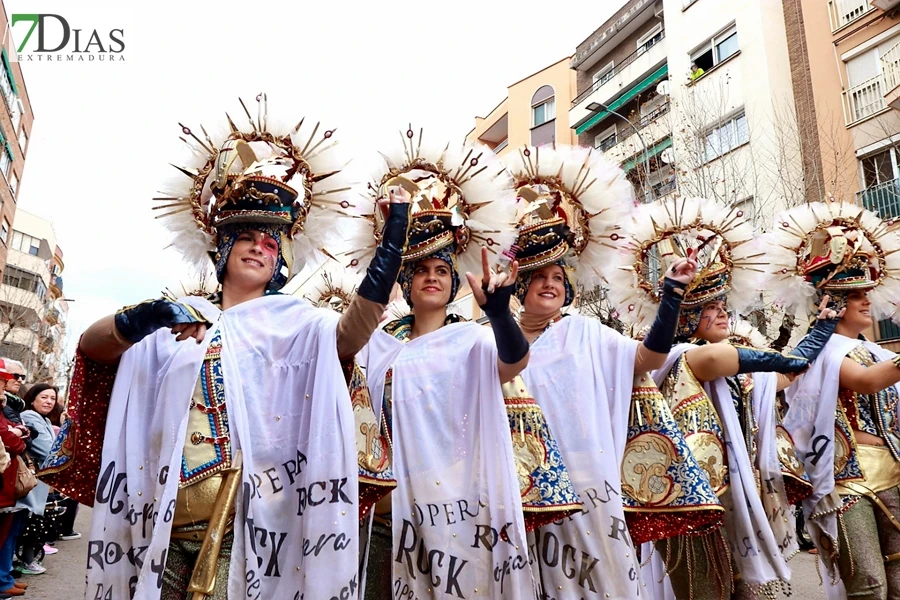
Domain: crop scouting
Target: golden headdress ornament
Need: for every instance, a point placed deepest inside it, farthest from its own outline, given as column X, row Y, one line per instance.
column 570, row 201
column 662, row 232
column 832, row 247
column 461, row 199
column 268, row 172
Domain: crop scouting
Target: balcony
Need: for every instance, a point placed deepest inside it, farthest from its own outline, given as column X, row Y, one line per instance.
column 629, row 78
column 890, row 68
column 843, row 12
column 883, row 198
column 864, row 100
column 626, row 144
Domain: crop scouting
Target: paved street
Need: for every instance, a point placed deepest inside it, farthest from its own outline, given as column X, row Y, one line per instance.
column 64, row 579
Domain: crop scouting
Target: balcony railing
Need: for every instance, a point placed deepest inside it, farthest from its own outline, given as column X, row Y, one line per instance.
column 645, row 121
column 883, row 198
column 618, row 68
column 890, row 67
column 501, row 146
column 608, row 143
column 865, row 99
column 844, row 12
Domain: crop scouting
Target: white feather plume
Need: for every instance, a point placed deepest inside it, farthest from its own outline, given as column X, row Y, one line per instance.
column 192, row 238
column 790, row 233
column 489, row 192
column 597, row 184
column 742, row 330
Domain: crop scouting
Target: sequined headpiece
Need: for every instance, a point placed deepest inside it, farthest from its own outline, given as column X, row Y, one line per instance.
column 661, row 232
column 461, row 200
column 267, row 175
column 834, row 248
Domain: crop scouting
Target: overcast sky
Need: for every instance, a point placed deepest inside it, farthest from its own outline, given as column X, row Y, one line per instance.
column 104, row 133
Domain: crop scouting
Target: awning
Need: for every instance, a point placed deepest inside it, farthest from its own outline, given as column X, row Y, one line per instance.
column 9, row 71
column 651, row 152
column 625, row 98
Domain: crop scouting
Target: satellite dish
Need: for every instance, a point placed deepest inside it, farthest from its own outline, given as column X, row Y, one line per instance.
column 667, row 156
column 662, row 88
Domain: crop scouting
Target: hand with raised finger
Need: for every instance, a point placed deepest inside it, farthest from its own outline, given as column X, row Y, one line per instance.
column 683, row 270
column 813, row 342
column 493, row 293
column 385, row 266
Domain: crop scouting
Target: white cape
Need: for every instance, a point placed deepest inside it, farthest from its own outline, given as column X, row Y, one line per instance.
column 810, row 421
column 754, row 547
column 296, row 527
column 581, row 374
column 458, row 526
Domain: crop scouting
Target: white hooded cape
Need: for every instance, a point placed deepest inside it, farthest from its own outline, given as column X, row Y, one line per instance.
column 458, row 526
column 296, row 521
column 581, row 374
column 759, row 556
column 810, row 421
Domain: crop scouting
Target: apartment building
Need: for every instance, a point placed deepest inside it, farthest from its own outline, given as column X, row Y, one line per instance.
column 845, row 61
column 693, row 97
column 16, row 119
column 33, row 309
column 534, row 112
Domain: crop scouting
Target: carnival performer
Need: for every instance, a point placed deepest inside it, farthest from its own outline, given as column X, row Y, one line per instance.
column 842, row 413
column 458, row 500
column 227, row 467
column 580, row 371
column 727, row 417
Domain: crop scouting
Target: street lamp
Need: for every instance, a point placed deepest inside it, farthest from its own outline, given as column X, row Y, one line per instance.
column 597, row 107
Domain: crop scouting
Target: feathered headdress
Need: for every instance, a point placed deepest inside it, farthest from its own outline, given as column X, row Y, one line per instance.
column 743, row 333
column 832, row 247
column 333, row 287
column 661, row 232
column 461, row 199
column 570, row 203
column 265, row 172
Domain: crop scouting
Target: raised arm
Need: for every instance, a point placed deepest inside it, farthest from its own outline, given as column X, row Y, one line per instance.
column 651, row 354
column 364, row 312
column 869, row 380
column 493, row 293
column 108, row 339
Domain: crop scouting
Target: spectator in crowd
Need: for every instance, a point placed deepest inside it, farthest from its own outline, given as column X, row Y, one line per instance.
column 13, row 439
column 39, row 402
column 66, row 522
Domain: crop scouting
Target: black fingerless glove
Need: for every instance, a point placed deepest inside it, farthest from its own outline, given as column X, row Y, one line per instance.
column 511, row 343
column 385, row 266
column 751, row 360
column 812, row 343
column 662, row 332
column 137, row 322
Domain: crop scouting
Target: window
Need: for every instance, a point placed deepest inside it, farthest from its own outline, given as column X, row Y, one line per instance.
column 5, row 160
column 23, row 140
column 4, row 231
column 603, row 75
column 543, row 106
column 605, row 140
column 726, row 137
column 25, row 243
column 15, row 110
column 543, row 112
column 24, row 280
column 646, row 41
column 717, row 49
column 6, row 83
column 877, row 168
column 13, row 182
